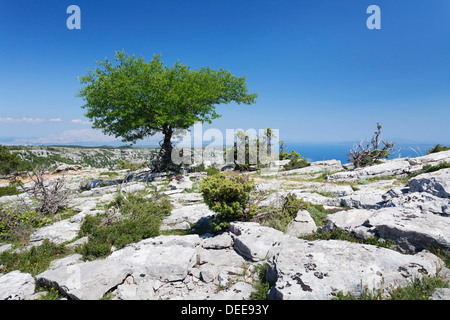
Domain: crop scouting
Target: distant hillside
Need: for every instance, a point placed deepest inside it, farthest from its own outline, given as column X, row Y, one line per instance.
column 97, row 157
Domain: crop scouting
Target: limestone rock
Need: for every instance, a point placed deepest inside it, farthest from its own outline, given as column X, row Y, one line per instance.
column 317, row 270
column 255, row 242
column 301, row 225
column 16, row 285
column 437, row 183
column 57, row 232
column 363, row 200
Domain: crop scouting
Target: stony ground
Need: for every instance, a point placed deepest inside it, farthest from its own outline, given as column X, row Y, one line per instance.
column 376, row 201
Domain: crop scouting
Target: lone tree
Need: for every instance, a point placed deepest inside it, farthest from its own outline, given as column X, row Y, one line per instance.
column 134, row 98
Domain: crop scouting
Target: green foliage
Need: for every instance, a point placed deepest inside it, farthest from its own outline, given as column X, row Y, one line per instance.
column 229, row 197
column 418, row 288
column 261, row 286
column 9, row 162
column 279, row 219
column 429, row 168
column 141, row 219
column 212, row 171
column 9, row 191
column 17, row 224
column 134, row 98
column 122, row 164
column 296, row 162
column 35, row 260
column 201, row 168
column 339, row 234
column 437, row 148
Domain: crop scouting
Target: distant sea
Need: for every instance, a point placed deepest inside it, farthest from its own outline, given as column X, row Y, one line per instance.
column 338, row 151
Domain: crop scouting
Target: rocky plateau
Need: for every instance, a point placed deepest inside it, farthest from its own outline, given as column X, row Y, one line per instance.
column 375, row 201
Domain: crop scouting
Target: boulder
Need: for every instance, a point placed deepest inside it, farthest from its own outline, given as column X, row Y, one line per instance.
column 58, row 232
column 301, row 225
column 256, row 242
column 421, row 201
column 181, row 218
column 16, row 285
column 363, row 199
column 180, row 183
column 433, row 158
column 351, row 221
column 320, row 269
column 67, row 167
column 164, row 259
column 222, row 241
column 411, row 230
column 436, row 183
column 87, row 280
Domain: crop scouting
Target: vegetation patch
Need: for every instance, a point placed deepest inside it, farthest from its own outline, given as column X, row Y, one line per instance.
column 418, row 288
column 34, row 260
column 16, row 224
column 230, row 197
column 9, row 191
column 128, row 219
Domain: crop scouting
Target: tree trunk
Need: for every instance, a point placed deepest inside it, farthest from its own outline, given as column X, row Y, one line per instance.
column 166, row 147
column 164, row 161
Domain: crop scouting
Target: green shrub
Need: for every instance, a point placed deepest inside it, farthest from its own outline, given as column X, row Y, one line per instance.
column 429, row 168
column 122, row 164
column 261, row 285
column 296, row 162
column 8, row 191
column 339, row 234
column 17, row 224
column 9, row 162
column 33, row 261
column 212, row 171
column 229, row 197
column 437, row 148
column 199, row 168
column 141, row 219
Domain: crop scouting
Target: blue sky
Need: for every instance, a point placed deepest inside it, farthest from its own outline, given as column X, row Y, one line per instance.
column 320, row 73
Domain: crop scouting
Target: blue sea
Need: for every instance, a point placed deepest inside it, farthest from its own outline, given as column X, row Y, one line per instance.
column 338, row 151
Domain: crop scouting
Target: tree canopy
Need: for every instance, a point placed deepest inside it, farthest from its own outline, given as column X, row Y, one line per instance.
column 133, row 98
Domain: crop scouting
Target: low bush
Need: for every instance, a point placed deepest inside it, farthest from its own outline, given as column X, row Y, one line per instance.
column 16, row 224
column 339, row 234
column 429, row 168
column 229, row 197
column 35, row 260
column 140, row 218
column 437, row 148
column 279, row 219
column 122, row 164
column 296, row 162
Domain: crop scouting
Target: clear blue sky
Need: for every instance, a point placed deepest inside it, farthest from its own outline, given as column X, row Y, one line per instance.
column 320, row 73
